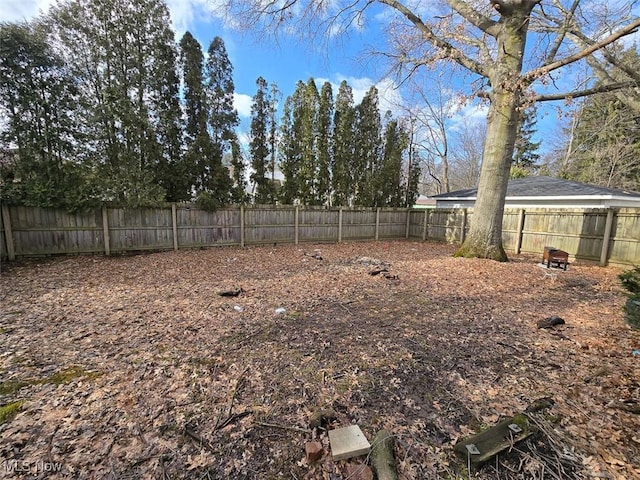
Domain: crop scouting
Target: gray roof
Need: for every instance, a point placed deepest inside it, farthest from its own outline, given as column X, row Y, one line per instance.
column 546, row 187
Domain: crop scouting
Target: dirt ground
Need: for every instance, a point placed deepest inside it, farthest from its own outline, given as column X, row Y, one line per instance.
column 136, row 367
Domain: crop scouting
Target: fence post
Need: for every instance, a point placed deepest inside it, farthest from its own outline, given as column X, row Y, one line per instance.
column 406, row 232
column 105, row 231
column 377, row 223
column 297, row 224
column 519, row 232
column 464, row 226
column 174, row 223
column 8, row 233
column 340, row 225
column 604, row 253
column 425, row 226
column 242, row 226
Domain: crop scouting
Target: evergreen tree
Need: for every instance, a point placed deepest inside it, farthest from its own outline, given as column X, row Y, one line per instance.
column 390, row 185
column 324, row 126
column 259, row 144
column 525, row 156
column 173, row 174
column 605, row 149
column 195, row 99
column 604, row 143
column 291, row 146
column 274, row 98
column 343, row 144
column 239, row 188
column 223, row 119
column 37, row 99
column 197, row 140
column 123, row 57
column 367, row 149
column 308, row 117
column 413, row 181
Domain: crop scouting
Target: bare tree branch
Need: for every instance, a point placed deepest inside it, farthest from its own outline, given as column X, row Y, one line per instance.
column 564, row 26
column 539, row 72
column 611, row 87
column 484, row 23
column 448, row 50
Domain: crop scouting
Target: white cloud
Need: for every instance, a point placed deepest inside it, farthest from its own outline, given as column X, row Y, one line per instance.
column 242, row 103
column 468, row 113
column 17, row 10
column 183, row 12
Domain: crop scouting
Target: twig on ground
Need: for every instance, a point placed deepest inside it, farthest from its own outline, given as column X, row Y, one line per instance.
column 345, row 308
column 233, row 418
column 200, row 440
column 235, row 390
column 283, row 427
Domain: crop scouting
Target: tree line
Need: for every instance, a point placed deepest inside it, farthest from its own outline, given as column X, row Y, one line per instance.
column 101, row 105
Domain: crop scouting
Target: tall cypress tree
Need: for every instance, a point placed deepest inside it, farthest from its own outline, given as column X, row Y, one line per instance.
column 325, row 113
column 195, row 99
column 343, row 144
column 367, row 148
column 238, row 167
column 274, row 98
column 390, row 182
column 223, row 119
column 291, row 146
column 172, row 171
column 308, row 141
column 197, row 140
column 259, row 144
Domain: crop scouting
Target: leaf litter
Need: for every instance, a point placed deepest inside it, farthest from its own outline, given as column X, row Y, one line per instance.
column 185, row 384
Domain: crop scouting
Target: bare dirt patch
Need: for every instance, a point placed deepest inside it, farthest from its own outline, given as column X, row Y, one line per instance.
column 161, row 377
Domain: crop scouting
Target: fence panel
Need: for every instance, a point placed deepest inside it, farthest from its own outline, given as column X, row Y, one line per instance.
column 445, row 225
column 269, row 225
column 317, row 225
column 358, row 224
column 39, row 231
column 579, row 232
column 625, row 243
column 392, row 223
column 140, row 229
column 198, row 228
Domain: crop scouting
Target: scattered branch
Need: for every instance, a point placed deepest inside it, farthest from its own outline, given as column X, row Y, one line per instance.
column 281, row 427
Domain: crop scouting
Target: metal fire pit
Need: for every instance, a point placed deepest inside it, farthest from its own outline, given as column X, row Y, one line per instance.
column 555, row 256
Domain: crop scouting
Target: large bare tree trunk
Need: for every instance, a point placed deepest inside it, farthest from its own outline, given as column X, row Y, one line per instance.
column 485, row 234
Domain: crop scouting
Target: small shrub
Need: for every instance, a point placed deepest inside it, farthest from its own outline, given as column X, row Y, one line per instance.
column 632, row 311
column 631, row 281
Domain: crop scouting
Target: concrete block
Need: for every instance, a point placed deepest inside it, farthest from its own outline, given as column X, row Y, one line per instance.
column 348, row 442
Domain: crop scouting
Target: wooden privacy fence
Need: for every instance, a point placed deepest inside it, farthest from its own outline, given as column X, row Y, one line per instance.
column 605, row 236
